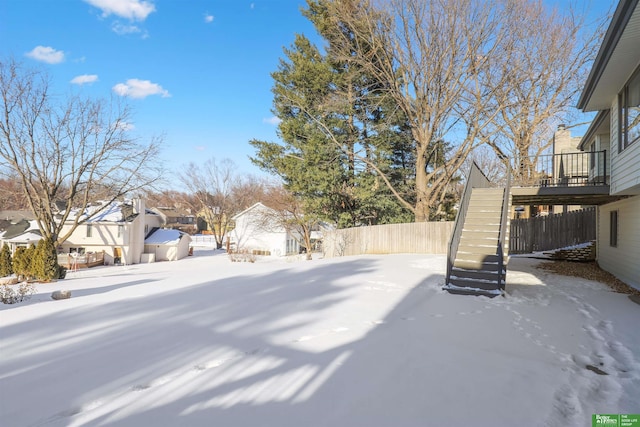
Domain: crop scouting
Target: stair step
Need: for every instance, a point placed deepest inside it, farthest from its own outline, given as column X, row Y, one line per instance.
column 475, row 274
column 474, row 264
column 479, row 235
column 474, row 283
column 484, row 215
column 477, row 250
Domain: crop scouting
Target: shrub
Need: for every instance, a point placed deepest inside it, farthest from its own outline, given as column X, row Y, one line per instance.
column 22, row 262
column 242, row 256
column 11, row 294
column 6, row 269
column 44, row 265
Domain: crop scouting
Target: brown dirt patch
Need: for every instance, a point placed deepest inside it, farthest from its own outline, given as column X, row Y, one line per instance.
column 591, row 271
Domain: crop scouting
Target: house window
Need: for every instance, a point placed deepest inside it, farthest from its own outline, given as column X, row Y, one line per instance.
column 89, row 230
column 120, row 230
column 629, row 120
column 613, row 228
column 592, row 160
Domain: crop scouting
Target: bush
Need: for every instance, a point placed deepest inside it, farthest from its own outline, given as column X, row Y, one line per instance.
column 242, row 256
column 45, row 261
column 11, row 294
column 22, row 262
column 6, row 269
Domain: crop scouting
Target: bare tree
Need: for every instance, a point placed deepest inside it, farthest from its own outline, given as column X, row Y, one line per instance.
column 71, row 150
column 219, row 193
column 11, row 195
column 432, row 59
column 545, row 63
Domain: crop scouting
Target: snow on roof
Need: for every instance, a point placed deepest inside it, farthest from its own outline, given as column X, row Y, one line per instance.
column 165, row 237
column 28, row 237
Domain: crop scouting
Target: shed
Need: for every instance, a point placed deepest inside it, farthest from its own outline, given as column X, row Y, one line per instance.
column 167, row 245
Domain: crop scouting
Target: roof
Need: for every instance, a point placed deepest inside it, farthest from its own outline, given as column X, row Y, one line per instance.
column 32, row 236
column 17, row 229
column 116, row 211
column 163, row 236
column 250, row 208
column 617, row 58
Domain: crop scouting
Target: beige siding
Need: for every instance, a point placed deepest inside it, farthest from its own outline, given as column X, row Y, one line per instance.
column 425, row 237
column 625, row 169
column 624, row 260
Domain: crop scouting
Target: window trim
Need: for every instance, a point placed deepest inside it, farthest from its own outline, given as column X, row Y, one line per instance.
column 623, row 135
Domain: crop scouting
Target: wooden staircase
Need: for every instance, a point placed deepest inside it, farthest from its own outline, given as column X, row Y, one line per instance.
column 478, row 267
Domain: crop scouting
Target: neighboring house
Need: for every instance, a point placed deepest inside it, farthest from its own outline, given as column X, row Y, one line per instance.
column 119, row 230
column 21, row 234
column 178, row 219
column 258, row 231
column 167, row 245
column 613, row 89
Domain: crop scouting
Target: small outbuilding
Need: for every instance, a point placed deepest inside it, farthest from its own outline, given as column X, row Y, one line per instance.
column 167, row 245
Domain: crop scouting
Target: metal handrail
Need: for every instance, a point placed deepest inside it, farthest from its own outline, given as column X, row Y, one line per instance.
column 562, row 170
column 503, row 229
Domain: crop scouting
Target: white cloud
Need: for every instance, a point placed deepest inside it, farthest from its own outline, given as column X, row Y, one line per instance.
column 135, row 10
column 140, row 89
column 121, row 29
column 46, row 54
column 84, row 78
column 252, row 6
column 273, row 120
column 208, row 18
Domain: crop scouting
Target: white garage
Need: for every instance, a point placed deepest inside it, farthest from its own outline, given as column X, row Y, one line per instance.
column 167, row 245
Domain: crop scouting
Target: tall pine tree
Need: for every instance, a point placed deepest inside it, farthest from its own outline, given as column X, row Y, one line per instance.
column 6, row 269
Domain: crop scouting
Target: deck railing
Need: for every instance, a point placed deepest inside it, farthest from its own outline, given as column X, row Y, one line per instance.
column 562, row 170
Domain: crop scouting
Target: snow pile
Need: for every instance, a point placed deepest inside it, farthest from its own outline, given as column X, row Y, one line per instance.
column 355, row 341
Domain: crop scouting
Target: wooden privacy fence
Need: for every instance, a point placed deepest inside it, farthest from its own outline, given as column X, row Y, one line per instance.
column 419, row 237
column 552, row 231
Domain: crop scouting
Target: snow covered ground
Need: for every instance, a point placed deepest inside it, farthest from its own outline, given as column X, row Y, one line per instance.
column 356, row 341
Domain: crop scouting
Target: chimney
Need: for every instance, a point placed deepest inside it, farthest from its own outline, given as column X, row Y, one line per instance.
column 138, row 205
column 561, row 126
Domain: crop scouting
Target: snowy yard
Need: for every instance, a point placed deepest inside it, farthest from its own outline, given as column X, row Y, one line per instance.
column 357, row 341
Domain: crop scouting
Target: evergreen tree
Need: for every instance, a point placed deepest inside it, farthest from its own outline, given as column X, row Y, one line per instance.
column 45, row 261
column 343, row 139
column 6, row 269
column 22, row 262
column 37, row 261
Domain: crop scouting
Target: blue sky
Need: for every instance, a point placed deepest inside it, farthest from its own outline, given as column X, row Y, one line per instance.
column 195, row 71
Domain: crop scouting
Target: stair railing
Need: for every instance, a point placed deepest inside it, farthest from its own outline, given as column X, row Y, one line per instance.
column 504, row 222
column 475, row 179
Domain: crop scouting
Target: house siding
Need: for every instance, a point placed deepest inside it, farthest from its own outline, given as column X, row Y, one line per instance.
column 625, row 174
column 622, row 260
column 253, row 232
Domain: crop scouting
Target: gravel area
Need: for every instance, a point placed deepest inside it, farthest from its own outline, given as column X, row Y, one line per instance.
column 591, row 271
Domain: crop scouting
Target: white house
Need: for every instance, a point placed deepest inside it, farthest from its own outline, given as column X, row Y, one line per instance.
column 259, row 231
column 613, row 89
column 23, row 233
column 167, row 245
column 119, row 230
